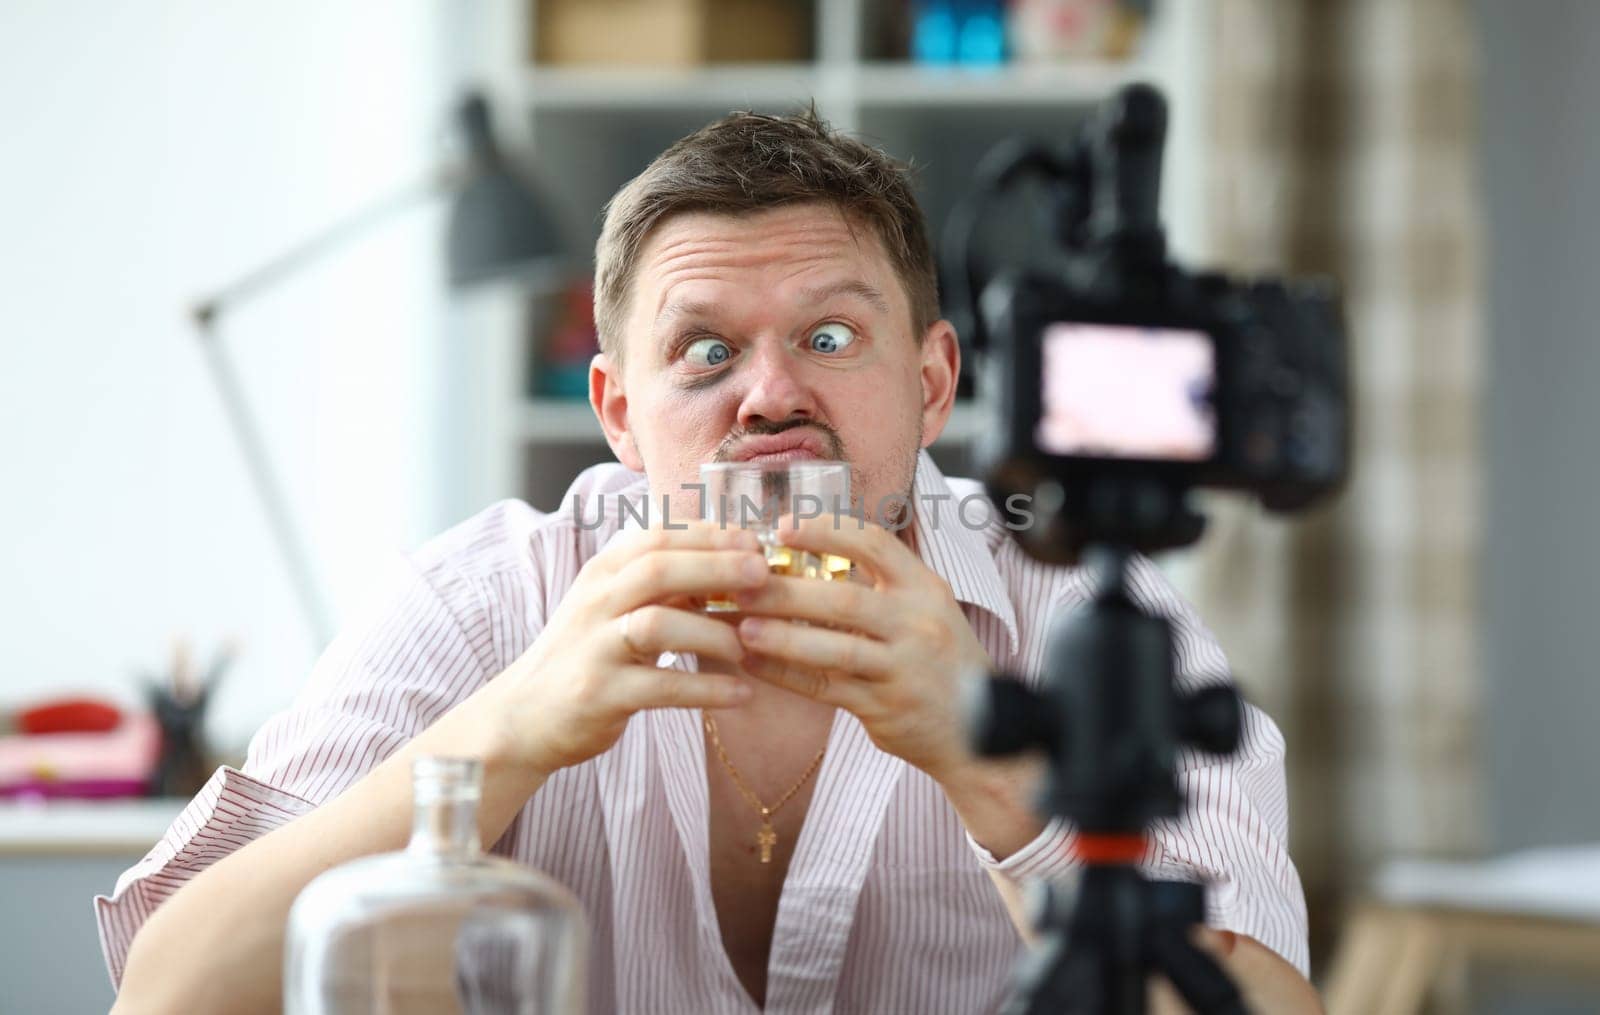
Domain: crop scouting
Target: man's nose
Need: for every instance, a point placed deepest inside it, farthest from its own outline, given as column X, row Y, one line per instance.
column 777, row 390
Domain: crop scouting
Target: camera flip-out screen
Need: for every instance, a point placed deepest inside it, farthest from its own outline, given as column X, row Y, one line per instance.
column 1125, row 391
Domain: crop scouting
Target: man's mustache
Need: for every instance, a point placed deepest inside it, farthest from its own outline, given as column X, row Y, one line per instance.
column 730, row 444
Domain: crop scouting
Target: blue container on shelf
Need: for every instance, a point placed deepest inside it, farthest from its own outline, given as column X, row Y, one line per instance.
column 971, row 33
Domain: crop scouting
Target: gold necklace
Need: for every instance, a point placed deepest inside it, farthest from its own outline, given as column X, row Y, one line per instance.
column 767, row 837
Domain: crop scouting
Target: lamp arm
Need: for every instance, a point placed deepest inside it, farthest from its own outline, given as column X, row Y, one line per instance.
column 207, row 314
column 291, row 261
column 269, row 488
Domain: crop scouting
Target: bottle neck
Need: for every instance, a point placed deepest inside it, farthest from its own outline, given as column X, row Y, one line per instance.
column 444, row 817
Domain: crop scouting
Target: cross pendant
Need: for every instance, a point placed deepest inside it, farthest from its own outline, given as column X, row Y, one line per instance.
column 766, row 839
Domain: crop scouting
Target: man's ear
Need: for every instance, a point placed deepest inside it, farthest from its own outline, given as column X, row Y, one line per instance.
column 941, row 368
column 610, row 403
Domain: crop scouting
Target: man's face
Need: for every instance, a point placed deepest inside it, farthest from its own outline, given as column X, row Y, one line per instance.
column 774, row 335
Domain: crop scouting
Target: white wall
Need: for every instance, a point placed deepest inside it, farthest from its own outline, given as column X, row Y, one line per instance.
column 1541, row 169
column 148, row 152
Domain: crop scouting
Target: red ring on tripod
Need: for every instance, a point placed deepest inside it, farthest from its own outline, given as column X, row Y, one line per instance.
column 1109, row 849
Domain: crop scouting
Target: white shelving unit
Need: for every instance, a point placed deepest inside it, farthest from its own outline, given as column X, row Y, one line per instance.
column 836, row 90
column 593, row 129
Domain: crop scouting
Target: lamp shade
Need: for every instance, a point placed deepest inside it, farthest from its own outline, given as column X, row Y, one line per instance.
column 499, row 226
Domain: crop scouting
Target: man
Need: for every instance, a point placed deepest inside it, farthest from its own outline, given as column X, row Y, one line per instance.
column 760, row 814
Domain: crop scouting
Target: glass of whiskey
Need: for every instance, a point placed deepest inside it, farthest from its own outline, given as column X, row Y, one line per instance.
column 766, row 496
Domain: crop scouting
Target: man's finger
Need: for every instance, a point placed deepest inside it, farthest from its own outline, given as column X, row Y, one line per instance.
column 639, row 687
column 648, row 631
column 848, row 604
column 816, row 648
column 808, row 683
column 699, row 535
column 663, row 574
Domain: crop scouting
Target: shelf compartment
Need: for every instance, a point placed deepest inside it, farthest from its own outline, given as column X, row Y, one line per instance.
column 559, row 421
column 722, row 87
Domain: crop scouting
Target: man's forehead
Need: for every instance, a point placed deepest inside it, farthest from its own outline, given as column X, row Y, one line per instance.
column 790, row 233
column 681, row 304
column 812, row 250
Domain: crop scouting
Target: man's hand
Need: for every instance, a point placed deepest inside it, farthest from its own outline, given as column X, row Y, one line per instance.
column 565, row 699
column 1269, row 983
column 892, row 653
column 570, row 695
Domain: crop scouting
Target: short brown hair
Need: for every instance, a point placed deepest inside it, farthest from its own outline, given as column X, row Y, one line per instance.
column 749, row 161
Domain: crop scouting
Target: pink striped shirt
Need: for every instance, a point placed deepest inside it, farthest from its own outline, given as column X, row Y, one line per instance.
column 887, row 905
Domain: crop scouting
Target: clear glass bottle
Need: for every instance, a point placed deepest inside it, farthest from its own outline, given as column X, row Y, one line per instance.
column 438, row 927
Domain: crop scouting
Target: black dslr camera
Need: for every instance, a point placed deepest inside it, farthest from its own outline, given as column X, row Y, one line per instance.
column 1119, row 381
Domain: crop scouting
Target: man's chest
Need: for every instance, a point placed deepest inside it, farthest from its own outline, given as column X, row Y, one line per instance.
column 760, row 779
column 878, row 866
column 749, row 860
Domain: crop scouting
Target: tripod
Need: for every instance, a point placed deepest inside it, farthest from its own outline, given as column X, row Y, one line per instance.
column 1111, row 720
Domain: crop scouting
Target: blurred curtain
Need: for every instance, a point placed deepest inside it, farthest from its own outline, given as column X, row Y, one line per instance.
column 1341, row 140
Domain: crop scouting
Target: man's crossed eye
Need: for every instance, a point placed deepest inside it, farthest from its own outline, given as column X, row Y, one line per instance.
column 707, row 352
column 832, row 337
column 828, row 338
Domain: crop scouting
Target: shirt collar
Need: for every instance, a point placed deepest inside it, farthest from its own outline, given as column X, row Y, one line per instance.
column 956, row 544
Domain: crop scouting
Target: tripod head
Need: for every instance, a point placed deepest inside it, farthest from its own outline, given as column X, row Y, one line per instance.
column 1114, row 741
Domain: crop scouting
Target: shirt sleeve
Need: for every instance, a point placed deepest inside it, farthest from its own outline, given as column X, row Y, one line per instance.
column 388, row 676
column 1233, row 834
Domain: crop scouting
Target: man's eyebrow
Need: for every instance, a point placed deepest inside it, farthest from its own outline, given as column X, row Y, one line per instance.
column 683, row 308
column 816, row 294
column 861, row 290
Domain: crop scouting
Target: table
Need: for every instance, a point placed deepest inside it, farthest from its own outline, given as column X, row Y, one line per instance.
column 1536, row 911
